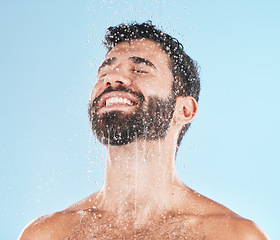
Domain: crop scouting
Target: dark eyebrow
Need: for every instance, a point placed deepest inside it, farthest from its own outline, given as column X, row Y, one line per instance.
column 142, row 60
column 107, row 62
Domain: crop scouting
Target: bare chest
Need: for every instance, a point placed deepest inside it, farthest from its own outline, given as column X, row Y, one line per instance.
column 106, row 228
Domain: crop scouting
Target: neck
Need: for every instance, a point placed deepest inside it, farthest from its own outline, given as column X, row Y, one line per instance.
column 141, row 179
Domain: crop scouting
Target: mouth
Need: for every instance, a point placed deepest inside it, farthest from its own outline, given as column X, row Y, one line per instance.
column 117, row 100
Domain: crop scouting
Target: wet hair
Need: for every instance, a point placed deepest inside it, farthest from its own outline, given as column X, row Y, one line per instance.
column 184, row 69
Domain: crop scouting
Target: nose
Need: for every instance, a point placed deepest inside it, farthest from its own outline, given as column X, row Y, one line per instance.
column 116, row 77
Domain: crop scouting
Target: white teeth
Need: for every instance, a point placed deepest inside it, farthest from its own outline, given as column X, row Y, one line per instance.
column 118, row 100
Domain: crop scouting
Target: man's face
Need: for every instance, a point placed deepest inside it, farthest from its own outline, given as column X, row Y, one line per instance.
column 132, row 98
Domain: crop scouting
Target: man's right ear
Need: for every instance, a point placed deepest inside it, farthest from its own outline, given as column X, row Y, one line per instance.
column 185, row 110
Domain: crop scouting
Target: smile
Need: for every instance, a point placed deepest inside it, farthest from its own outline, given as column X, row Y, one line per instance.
column 118, row 100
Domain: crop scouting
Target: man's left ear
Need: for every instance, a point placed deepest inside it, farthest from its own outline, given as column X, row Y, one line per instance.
column 185, row 110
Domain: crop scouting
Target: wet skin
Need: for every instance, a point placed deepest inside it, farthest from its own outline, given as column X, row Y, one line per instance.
column 80, row 222
column 142, row 197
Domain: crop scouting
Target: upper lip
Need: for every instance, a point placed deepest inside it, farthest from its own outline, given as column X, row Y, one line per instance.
column 117, row 94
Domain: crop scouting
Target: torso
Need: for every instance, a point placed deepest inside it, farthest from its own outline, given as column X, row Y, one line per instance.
column 101, row 225
column 82, row 222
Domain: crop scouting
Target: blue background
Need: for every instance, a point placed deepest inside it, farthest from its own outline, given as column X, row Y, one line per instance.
column 49, row 54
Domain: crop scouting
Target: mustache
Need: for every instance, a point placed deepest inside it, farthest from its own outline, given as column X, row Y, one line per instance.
column 120, row 88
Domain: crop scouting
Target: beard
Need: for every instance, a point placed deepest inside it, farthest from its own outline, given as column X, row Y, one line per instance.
column 148, row 121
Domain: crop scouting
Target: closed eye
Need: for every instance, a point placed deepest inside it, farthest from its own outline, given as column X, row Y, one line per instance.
column 139, row 71
column 102, row 74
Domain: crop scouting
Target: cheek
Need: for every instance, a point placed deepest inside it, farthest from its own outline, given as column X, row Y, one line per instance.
column 146, row 85
column 96, row 90
column 160, row 86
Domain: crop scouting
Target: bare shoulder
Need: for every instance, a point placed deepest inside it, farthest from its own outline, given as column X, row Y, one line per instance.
column 57, row 225
column 219, row 222
column 234, row 227
column 52, row 226
column 247, row 229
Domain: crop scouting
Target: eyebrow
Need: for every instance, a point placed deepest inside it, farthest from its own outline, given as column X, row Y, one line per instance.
column 140, row 60
column 134, row 59
column 107, row 62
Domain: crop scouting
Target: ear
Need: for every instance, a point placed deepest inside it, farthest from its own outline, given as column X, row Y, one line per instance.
column 185, row 110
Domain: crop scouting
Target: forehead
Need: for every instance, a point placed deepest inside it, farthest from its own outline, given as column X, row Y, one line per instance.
column 140, row 47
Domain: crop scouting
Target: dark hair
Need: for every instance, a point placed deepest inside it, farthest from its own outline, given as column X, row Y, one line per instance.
column 184, row 69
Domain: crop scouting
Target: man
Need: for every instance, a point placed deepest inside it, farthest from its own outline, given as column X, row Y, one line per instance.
column 142, row 104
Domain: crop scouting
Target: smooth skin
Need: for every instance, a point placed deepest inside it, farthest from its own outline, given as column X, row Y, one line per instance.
column 142, row 197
